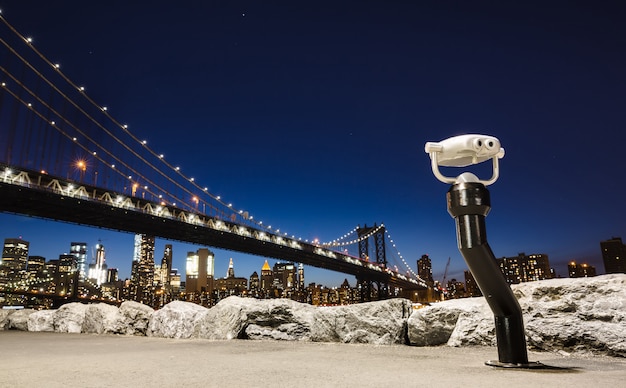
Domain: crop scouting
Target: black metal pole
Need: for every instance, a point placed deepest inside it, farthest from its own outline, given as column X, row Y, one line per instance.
column 469, row 203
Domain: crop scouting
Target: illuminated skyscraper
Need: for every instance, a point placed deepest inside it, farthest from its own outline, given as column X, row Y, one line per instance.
column 254, row 284
column 285, row 275
column 200, row 271
column 301, row 277
column 79, row 250
column 142, row 272
column 98, row 269
column 14, row 262
column 525, row 268
column 425, row 269
column 231, row 269
column 267, row 278
column 614, row 255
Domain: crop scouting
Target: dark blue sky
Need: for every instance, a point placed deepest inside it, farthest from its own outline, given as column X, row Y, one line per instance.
column 313, row 115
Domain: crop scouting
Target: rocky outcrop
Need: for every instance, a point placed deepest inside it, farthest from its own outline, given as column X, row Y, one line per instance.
column 42, row 320
column 19, row 319
column 574, row 315
column 135, row 317
column 234, row 317
column 434, row 325
column 103, row 318
column 571, row 315
column 381, row 323
column 69, row 318
column 175, row 320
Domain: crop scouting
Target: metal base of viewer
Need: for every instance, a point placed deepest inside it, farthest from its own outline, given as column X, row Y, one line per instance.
column 508, row 365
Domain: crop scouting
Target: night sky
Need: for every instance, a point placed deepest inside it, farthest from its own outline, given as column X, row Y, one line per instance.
column 313, row 115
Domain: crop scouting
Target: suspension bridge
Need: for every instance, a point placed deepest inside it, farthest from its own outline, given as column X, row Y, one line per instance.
column 65, row 157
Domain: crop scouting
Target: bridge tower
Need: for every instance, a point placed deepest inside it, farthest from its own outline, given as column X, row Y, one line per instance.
column 366, row 285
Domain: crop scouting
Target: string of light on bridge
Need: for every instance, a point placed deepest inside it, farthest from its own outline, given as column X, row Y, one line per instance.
column 176, row 169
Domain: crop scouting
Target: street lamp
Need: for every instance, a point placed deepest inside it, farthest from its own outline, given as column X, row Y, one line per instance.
column 82, row 167
column 469, row 203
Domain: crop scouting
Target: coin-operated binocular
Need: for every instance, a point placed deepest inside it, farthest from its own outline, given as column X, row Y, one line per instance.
column 469, row 203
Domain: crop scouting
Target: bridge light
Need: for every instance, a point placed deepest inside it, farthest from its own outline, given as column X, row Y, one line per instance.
column 52, row 123
column 177, row 168
column 57, row 66
column 206, row 189
column 125, row 126
column 82, row 88
column 192, row 179
column 104, row 108
column 161, row 156
column 29, row 40
column 144, row 142
column 112, row 166
column 218, row 197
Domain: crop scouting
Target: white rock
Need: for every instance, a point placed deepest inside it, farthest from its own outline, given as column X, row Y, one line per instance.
column 19, row 319
column 69, row 318
column 572, row 315
column 279, row 319
column 380, row 322
column 42, row 320
column 226, row 320
column 175, row 320
column 103, row 318
column 433, row 325
column 4, row 318
column 135, row 317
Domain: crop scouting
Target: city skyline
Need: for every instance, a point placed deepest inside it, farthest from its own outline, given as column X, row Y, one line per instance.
column 254, row 263
column 314, row 118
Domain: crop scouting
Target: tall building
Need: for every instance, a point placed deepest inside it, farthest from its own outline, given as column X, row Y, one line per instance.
column 301, row 277
column 525, row 268
column 14, row 262
column 36, row 266
column 267, row 277
column 471, row 288
column 254, row 284
column 64, row 275
column 166, row 265
column 200, row 271
column 425, row 269
column 142, row 272
column 79, row 250
column 614, row 255
column 230, row 273
column 284, row 276
column 231, row 285
column 97, row 269
column 580, row 270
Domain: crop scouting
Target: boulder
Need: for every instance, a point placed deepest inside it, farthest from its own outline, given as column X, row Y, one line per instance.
column 227, row 319
column 175, row 320
column 69, row 318
column 573, row 315
column 279, row 319
column 576, row 315
column 135, row 317
column 433, row 325
column 19, row 319
column 42, row 320
column 381, row 323
column 4, row 318
column 103, row 318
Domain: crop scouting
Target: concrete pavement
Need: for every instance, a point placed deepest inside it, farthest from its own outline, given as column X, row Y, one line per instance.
column 82, row 360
